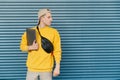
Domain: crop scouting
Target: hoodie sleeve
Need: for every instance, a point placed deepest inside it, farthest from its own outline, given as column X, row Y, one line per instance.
column 23, row 44
column 57, row 47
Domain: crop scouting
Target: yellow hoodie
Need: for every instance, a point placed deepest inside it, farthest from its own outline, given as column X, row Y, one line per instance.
column 40, row 61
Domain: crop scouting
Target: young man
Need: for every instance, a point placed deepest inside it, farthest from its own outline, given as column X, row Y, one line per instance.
column 39, row 62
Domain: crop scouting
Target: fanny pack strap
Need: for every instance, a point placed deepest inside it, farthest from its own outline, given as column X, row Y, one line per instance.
column 38, row 29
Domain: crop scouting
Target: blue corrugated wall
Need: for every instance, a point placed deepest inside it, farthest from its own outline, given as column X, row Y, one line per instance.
column 90, row 33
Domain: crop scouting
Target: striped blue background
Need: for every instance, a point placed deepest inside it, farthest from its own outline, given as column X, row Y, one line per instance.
column 90, row 33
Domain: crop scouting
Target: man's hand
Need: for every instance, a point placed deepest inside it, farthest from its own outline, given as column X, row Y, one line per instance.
column 34, row 46
column 56, row 71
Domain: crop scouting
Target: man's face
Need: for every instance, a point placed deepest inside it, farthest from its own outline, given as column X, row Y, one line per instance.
column 47, row 19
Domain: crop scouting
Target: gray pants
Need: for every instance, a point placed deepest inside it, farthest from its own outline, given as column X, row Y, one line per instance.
column 42, row 75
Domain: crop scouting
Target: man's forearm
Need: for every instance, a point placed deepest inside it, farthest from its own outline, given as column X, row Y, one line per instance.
column 57, row 65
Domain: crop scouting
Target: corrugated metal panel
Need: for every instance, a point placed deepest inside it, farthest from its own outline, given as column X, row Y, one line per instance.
column 90, row 32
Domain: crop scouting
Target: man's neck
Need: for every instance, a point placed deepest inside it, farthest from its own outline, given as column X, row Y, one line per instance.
column 42, row 25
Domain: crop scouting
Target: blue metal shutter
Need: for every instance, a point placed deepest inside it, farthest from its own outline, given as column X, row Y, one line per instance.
column 90, row 33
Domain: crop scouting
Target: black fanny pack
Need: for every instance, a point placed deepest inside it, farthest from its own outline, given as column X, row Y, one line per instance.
column 45, row 43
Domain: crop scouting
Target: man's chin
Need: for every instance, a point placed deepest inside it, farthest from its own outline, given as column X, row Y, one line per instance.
column 48, row 24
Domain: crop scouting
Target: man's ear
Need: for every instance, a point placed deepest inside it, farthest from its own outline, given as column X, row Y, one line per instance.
column 41, row 19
